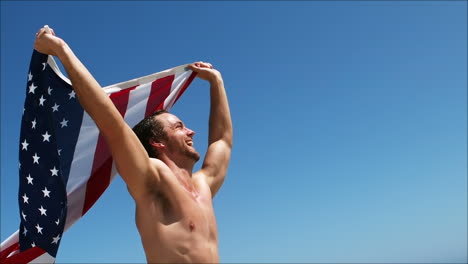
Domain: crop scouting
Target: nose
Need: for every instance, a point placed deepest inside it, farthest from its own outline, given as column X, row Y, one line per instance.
column 190, row 132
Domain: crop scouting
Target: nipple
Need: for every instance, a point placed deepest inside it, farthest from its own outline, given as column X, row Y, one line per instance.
column 192, row 226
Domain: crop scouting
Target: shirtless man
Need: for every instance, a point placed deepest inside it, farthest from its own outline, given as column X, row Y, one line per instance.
column 174, row 210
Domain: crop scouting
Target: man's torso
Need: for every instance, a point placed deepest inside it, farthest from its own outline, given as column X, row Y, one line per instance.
column 177, row 222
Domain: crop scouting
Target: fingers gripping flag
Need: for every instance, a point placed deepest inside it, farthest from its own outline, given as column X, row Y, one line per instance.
column 65, row 164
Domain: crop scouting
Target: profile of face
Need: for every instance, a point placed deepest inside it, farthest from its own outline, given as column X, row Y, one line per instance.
column 179, row 138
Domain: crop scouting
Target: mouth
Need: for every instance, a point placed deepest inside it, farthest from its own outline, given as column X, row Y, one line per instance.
column 189, row 142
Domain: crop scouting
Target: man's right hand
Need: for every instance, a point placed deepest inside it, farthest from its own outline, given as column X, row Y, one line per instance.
column 48, row 43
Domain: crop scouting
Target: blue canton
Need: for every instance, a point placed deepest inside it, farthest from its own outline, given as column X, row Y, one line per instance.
column 49, row 130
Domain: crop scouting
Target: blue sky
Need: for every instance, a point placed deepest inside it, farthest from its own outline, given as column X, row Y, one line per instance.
column 350, row 122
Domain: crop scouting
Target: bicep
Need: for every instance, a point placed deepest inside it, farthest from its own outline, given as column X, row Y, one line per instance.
column 216, row 164
column 131, row 159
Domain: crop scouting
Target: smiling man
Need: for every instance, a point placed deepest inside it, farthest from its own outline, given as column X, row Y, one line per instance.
column 174, row 209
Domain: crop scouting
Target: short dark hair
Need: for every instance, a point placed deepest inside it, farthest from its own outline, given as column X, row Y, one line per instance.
column 150, row 128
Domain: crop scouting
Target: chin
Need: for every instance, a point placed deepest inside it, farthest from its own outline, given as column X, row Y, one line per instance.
column 196, row 156
column 193, row 155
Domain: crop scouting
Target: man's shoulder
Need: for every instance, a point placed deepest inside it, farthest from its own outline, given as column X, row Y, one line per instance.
column 157, row 162
column 159, row 166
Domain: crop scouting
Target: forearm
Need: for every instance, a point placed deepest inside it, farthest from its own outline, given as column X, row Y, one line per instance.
column 220, row 124
column 88, row 91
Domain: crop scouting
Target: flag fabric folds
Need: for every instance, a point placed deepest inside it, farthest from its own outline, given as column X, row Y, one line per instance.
column 65, row 164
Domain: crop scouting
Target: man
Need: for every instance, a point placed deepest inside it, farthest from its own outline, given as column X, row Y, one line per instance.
column 174, row 210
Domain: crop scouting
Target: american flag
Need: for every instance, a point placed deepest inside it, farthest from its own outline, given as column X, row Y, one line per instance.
column 64, row 163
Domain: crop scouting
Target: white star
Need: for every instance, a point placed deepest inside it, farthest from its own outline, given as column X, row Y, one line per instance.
column 72, row 95
column 42, row 100
column 44, row 64
column 30, row 76
column 49, row 90
column 33, row 244
column 46, row 192
column 32, row 87
column 43, row 211
column 46, row 137
column 30, row 179
column 34, row 123
column 36, row 158
column 56, row 239
column 24, row 216
column 55, row 108
column 59, row 151
column 25, row 231
column 25, row 199
column 54, row 171
column 25, row 145
column 39, row 228
column 57, row 222
column 64, row 123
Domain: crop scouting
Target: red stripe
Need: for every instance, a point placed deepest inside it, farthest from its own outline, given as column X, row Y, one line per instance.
column 187, row 83
column 24, row 256
column 6, row 251
column 102, row 163
column 160, row 90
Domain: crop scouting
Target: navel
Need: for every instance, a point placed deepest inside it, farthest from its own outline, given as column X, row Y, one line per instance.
column 191, row 226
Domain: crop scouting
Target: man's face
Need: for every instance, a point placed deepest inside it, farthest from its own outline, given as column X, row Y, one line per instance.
column 179, row 138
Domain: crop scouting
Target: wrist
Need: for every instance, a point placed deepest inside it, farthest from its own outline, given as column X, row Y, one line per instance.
column 216, row 78
column 61, row 49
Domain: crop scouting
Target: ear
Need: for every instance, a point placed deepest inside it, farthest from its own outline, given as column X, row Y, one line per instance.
column 157, row 145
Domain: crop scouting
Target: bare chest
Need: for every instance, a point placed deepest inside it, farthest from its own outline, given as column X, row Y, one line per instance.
column 178, row 206
column 178, row 224
column 191, row 208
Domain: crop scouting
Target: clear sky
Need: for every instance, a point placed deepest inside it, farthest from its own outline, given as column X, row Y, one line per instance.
column 350, row 122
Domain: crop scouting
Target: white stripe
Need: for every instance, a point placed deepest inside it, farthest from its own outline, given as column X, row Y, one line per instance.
column 80, row 169
column 127, row 84
column 85, row 151
column 136, row 109
column 83, row 157
column 13, row 253
column 179, row 80
column 75, row 203
column 10, row 241
column 56, row 69
column 113, row 171
column 137, row 101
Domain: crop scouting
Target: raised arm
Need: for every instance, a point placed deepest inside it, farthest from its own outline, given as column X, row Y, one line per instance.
column 216, row 161
column 130, row 156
